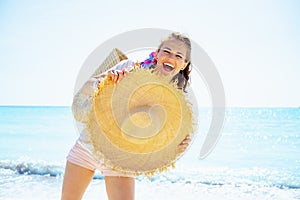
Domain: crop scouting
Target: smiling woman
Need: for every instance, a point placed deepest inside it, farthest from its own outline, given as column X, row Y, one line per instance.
column 171, row 57
column 174, row 55
column 170, row 62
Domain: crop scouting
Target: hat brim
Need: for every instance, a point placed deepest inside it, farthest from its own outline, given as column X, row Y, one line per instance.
column 118, row 134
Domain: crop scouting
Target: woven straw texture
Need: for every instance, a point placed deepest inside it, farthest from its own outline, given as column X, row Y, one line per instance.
column 137, row 125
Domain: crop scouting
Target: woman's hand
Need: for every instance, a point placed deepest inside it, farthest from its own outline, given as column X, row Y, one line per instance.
column 117, row 75
column 184, row 144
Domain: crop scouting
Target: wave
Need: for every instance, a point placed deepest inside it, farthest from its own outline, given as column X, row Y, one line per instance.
column 32, row 167
column 216, row 177
column 211, row 177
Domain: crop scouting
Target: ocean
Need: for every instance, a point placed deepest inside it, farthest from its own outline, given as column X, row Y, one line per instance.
column 257, row 157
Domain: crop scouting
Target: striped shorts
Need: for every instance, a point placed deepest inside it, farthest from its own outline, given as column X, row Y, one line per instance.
column 81, row 156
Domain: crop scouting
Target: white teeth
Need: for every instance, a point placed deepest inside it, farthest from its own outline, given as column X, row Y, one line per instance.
column 169, row 65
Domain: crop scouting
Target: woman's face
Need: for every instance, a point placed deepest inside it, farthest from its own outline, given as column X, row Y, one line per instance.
column 171, row 57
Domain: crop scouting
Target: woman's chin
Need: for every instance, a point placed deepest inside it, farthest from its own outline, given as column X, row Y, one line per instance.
column 165, row 73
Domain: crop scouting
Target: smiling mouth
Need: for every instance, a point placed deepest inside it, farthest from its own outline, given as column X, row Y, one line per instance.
column 168, row 67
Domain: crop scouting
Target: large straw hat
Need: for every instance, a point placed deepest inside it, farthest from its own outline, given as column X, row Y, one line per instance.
column 137, row 125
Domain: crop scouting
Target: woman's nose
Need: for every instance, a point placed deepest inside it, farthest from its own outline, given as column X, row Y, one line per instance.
column 171, row 55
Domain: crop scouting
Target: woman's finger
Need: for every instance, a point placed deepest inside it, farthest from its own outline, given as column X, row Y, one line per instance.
column 187, row 139
column 114, row 75
column 120, row 76
column 125, row 72
column 117, row 75
column 184, row 144
column 111, row 75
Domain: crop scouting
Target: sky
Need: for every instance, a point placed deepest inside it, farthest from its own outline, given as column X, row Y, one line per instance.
column 255, row 45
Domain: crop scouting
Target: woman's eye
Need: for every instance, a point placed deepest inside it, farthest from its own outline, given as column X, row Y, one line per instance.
column 179, row 56
column 166, row 51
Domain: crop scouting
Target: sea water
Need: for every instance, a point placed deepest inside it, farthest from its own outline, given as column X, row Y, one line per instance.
column 257, row 157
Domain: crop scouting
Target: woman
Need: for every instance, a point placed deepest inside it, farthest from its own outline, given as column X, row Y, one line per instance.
column 172, row 59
